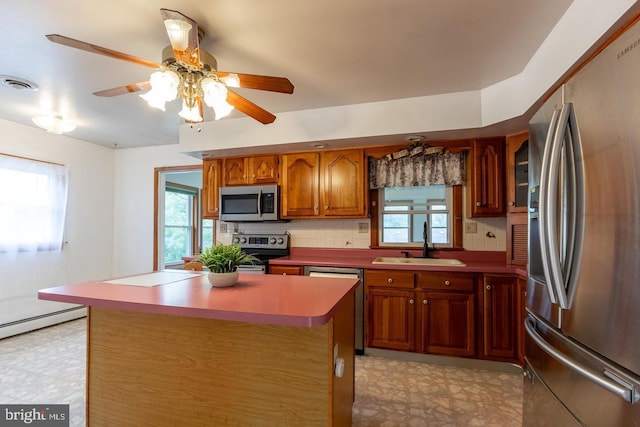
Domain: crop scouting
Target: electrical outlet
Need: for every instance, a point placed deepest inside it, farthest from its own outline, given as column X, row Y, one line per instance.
column 471, row 227
column 363, row 227
column 223, row 228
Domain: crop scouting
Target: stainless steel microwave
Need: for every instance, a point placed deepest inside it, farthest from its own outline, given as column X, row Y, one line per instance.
column 250, row 203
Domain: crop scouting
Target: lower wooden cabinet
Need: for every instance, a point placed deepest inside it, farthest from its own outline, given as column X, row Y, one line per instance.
column 447, row 323
column 449, row 314
column 500, row 317
column 391, row 319
column 286, row 270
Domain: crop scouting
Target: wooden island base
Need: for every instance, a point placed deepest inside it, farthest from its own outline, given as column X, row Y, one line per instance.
column 164, row 370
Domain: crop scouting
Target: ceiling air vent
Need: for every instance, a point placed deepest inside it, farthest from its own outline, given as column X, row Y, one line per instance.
column 18, row 83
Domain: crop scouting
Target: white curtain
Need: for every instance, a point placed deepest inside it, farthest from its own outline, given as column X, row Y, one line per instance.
column 33, row 204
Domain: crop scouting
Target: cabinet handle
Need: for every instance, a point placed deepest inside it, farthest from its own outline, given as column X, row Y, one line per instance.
column 488, row 287
column 447, row 283
column 511, row 203
column 478, row 204
column 411, row 301
column 326, row 207
column 424, row 301
column 390, row 280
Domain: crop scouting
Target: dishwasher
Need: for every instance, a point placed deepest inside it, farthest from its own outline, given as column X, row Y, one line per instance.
column 344, row 272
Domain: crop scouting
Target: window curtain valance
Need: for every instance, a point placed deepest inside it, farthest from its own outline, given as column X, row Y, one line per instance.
column 429, row 169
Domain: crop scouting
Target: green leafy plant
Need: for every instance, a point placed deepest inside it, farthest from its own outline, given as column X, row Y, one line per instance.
column 221, row 258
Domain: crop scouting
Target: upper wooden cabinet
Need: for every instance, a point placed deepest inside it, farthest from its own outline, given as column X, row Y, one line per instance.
column 211, row 188
column 250, row 170
column 485, row 192
column 517, row 172
column 329, row 184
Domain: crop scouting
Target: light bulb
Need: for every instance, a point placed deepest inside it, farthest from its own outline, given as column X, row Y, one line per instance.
column 164, row 88
column 232, row 80
column 215, row 96
column 191, row 114
column 178, row 32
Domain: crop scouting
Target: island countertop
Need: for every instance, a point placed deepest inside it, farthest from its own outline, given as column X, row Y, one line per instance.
column 268, row 299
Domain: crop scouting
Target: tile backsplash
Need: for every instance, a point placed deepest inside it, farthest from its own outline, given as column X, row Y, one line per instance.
column 490, row 233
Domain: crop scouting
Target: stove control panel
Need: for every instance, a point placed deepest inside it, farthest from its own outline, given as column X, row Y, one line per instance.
column 261, row 241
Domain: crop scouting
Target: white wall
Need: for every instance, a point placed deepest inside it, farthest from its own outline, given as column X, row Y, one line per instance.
column 88, row 227
column 133, row 204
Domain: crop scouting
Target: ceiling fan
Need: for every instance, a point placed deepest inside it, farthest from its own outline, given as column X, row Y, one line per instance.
column 189, row 73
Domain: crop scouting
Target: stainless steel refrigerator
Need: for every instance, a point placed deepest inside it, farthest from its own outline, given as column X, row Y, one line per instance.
column 582, row 343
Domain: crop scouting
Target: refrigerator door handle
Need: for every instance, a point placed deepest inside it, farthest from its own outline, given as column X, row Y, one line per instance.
column 563, row 233
column 618, row 387
column 546, row 211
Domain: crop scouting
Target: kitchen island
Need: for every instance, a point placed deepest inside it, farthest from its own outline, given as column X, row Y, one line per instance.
column 165, row 348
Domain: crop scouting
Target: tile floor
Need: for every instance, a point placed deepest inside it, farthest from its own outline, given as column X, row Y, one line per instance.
column 48, row 366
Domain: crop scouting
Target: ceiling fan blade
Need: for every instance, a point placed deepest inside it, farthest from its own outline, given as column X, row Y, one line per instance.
column 249, row 108
column 184, row 37
column 77, row 44
column 253, row 81
column 121, row 90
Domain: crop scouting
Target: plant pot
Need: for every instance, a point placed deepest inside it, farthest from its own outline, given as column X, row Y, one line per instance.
column 223, row 280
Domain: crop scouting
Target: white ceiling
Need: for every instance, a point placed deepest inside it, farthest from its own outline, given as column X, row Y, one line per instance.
column 335, row 52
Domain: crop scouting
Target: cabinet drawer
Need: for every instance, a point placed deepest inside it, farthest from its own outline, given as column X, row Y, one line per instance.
column 389, row 278
column 446, row 281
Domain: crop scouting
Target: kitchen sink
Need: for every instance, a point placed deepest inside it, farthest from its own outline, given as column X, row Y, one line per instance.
column 419, row 261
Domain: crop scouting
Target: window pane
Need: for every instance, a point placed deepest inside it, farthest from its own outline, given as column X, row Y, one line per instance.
column 393, row 220
column 207, row 233
column 177, row 208
column 176, row 243
column 178, row 231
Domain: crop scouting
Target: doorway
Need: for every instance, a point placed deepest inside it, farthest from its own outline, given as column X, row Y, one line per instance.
column 179, row 229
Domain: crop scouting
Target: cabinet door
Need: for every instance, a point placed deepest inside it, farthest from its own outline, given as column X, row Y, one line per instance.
column 517, row 172
column 447, row 323
column 343, row 183
column 390, row 318
column 210, row 189
column 286, row 270
column 300, row 182
column 487, row 178
column 264, row 169
column 500, row 314
column 522, row 314
column 235, row 171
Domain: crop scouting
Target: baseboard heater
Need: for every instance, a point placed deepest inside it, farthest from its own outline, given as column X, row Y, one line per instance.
column 37, row 322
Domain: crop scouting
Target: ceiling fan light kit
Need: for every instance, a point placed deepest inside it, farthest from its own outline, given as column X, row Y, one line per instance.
column 54, row 124
column 190, row 73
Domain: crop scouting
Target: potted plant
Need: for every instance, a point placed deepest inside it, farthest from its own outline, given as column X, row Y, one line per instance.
column 223, row 262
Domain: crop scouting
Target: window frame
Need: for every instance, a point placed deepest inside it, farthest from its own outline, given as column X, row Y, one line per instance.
column 195, row 232
column 456, row 221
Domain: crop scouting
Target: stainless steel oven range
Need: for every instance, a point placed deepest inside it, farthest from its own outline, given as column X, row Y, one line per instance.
column 264, row 247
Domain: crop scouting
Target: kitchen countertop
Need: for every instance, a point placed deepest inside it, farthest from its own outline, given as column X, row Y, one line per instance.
column 268, row 299
column 475, row 261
